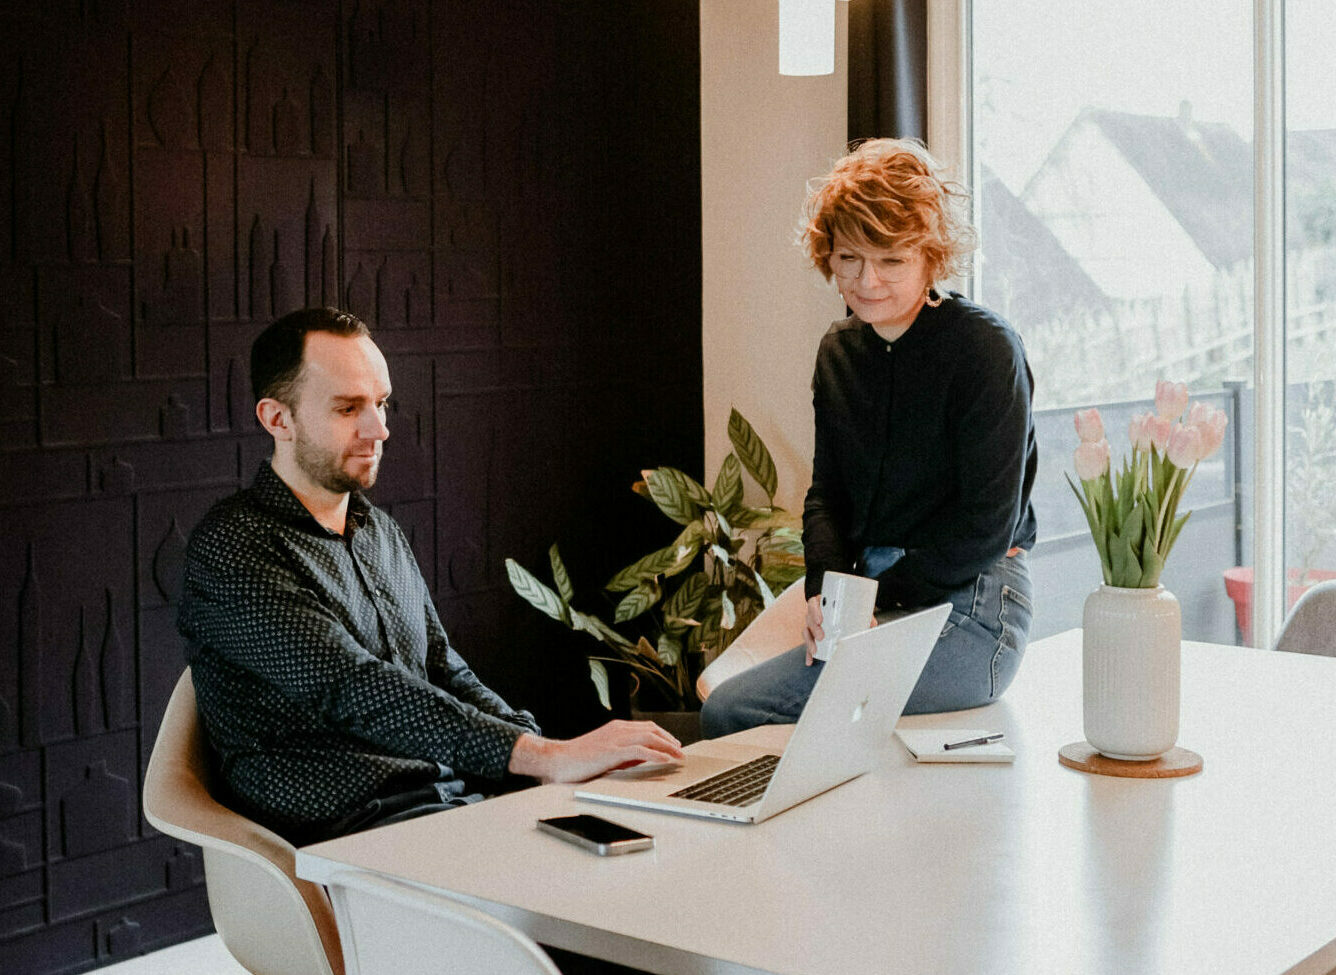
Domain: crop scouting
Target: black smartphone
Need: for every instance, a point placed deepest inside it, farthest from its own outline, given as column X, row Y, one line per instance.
column 597, row 835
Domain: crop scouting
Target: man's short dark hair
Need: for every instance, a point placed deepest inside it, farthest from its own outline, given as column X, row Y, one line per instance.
column 276, row 353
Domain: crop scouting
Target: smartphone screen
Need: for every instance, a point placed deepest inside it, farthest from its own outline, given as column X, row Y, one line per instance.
column 596, row 834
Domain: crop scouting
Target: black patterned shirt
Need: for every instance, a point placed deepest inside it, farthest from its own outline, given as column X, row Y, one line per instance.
column 323, row 674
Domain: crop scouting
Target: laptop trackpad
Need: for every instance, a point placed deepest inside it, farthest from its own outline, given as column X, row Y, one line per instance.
column 667, row 779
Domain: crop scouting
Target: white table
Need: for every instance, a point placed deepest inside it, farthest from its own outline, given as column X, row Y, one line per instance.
column 1031, row 868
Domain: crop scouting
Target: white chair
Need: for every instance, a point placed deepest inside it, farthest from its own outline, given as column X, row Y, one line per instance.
column 271, row 922
column 778, row 627
column 1310, row 626
column 392, row 928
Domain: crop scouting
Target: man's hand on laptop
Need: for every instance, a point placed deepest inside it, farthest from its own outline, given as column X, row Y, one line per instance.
column 616, row 744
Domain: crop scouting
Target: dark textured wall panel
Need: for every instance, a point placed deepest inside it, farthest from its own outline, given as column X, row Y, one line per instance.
column 508, row 192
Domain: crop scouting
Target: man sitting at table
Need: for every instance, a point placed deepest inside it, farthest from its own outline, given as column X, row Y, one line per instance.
column 330, row 694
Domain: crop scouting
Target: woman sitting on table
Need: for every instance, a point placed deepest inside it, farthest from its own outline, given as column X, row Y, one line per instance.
column 925, row 445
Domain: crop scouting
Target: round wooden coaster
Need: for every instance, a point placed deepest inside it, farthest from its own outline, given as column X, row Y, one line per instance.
column 1174, row 763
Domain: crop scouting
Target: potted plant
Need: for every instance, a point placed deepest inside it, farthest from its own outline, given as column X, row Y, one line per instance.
column 681, row 605
column 1132, row 625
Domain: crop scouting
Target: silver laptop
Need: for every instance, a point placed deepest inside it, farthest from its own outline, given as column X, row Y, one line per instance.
column 848, row 719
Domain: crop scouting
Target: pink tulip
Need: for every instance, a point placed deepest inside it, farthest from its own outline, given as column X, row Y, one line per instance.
column 1185, row 446
column 1089, row 425
column 1092, row 459
column 1138, row 431
column 1160, row 428
column 1210, row 424
column 1171, row 399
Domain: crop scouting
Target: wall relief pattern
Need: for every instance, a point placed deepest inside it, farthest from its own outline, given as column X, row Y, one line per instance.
column 484, row 183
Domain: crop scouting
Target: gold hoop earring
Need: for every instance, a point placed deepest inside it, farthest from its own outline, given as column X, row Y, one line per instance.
column 927, row 299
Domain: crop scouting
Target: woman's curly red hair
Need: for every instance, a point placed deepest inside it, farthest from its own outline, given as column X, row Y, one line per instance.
column 890, row 193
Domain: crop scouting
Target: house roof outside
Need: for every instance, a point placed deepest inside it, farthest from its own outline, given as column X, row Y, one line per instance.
column 1022, row 260
column 1203, row 174
column 1200, row 171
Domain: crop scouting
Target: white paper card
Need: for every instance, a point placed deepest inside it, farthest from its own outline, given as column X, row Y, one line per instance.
column 926, row 745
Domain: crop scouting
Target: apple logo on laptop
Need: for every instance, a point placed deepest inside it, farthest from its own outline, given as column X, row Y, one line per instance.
column 858, row 711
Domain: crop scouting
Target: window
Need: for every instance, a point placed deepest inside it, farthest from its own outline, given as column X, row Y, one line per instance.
column 1113, row 170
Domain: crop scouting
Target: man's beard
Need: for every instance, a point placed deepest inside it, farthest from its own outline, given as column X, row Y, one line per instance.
column 323, row 467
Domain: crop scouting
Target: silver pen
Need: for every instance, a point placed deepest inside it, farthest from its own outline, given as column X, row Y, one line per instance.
column 968, row 742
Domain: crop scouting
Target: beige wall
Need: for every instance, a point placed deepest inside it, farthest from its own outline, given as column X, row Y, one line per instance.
column 762, row 137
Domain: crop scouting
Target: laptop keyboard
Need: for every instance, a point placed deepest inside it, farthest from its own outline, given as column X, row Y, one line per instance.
column 739, row 786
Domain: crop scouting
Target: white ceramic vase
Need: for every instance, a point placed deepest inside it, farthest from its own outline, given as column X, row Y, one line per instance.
column 1130, row 662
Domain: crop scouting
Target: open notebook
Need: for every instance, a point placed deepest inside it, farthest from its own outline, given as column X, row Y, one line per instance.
column 848, row 719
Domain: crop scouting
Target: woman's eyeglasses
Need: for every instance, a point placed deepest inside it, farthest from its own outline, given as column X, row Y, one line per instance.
column 888, row 268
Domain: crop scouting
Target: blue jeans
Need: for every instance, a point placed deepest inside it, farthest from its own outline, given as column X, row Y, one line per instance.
column 974, row 661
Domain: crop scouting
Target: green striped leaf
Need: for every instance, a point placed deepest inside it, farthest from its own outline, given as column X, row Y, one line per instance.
column 635, row 602
column 728, row 616
column 599, row 675
column 706, row 636
column 662, row 562
column 781, row 575
column 767, row 597
column 725, row 529
column 668, row 488
column 745, row 517
column 599, row 630
column 534, row 592
column 670, row 650
column 784, row 540
column 695, row 490
column 728, row 485
column 683, row 604
column 751, row 451
column 560, row 575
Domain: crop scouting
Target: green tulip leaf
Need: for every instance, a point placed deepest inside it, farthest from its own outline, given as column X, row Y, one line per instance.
column 1172, row 533
column 753, row 454
column 1151, row 567
column 1136, row 530
column 1126, row 568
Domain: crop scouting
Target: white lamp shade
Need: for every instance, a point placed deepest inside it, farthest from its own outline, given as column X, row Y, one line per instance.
column 806, row 37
